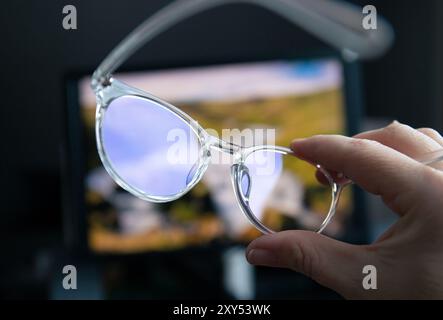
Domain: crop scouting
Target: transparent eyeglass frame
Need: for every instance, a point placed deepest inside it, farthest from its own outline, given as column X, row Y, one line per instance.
column 334, row 22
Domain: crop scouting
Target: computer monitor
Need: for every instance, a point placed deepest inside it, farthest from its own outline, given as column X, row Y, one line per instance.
column 295, row 97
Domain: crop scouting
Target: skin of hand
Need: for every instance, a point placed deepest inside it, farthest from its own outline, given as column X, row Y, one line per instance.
column 409, row 256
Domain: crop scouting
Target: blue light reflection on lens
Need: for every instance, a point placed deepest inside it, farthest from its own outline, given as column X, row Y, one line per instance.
column 264, row 169
column 149, row 147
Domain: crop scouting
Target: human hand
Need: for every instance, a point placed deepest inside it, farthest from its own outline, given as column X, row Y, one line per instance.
column 409, row 255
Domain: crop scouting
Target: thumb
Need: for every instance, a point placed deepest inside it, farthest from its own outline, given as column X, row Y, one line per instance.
column 331, row 263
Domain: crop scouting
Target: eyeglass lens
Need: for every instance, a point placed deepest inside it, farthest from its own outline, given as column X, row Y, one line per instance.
column 283, row 192
column 149, row 147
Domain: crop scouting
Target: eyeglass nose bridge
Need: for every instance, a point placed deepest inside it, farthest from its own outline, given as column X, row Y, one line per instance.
column 225, row 147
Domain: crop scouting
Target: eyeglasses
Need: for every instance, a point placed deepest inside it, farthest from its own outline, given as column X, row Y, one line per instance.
column 158, row 153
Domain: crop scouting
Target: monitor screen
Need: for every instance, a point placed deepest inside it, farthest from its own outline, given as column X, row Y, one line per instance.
column 279, row 99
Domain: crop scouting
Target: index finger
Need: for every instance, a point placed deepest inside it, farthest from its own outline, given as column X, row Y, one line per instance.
column 375, row 167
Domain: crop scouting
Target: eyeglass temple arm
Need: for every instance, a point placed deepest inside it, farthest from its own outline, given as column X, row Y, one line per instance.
column 335, row 22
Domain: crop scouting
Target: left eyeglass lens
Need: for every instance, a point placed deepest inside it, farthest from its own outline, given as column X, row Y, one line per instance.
column 149, row 147
column 283, row 192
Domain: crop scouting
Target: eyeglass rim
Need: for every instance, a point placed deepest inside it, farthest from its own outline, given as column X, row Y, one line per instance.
column 117, row 89
column 236, row 177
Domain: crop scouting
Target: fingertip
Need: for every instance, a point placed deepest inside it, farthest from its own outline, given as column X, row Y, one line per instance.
column 261, row 257
column 296, row 145
column 259, row 250
column 258, row 242
column 297, row 141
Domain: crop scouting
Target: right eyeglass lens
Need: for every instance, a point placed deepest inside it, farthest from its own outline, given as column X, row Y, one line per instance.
column 149, row 147
column 284, row 193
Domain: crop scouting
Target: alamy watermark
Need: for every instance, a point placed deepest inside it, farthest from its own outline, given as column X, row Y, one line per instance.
column 69, row 21
column 184, row 147
column 370, row 277
column 69, row 281
column 369, row 21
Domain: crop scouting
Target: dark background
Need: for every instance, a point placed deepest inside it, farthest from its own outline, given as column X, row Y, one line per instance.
column 37, row 54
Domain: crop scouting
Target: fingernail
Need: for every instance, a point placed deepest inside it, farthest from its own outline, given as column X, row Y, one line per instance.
column 260, row 257
column 295, row 143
